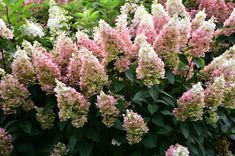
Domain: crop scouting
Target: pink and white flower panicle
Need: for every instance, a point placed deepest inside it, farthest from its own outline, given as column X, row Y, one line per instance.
column 4, row 31
column 6, row 146
column 135, row 127
column 107, row 108
column 177, row 150
column 191, row 104
column 13, row 95
column 72, row 105
column 150, row 67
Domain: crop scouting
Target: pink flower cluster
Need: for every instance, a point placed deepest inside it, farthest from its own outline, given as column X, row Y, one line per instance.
column 214, row 93
column 13, row 95
column 217, row 8
column 46, row 70
column 92, row 74
column 191, row 104
column 72, row 105
column 4, row 31
column 150, row 67
column 107, row 108
column 177, row 150
column 22, row 68
column 6, row 146
column 135, row 127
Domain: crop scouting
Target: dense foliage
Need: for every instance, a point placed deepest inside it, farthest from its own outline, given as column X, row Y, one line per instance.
column 115, row 77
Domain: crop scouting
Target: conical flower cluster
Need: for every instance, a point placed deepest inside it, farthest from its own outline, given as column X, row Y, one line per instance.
column 107, row 108
column 22, row 68
column 4, row 31
column 177, row 150
column 6, row 146
column 92, row 74
column 135, row 127
column 72, row 105
column 191, row 104
column 13, row 95
column 150, row 67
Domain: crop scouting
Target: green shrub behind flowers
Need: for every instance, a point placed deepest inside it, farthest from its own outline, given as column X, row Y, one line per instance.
column 116, row 80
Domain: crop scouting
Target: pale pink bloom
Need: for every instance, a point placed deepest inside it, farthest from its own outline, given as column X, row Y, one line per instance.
column 191, row 104
column 229, row 25
column 73, row 70
column 46, row 70
column 199, row 19
column 160, row 16
column 229, row 97
column 227, row 69
column 72, row 105
column 166, row 43
column 92, row 74
column 214, row 93
column 140, row 11
column 176, row 7
column 62, row 52
column 22, row 68
column 5, row 143
column 150, row 67
column 83, row 41
column 135, row 127
column 185, row 31
column 217, row 62
column 4, row 31
column 146, row 27
column 201, row 39
column 107, row 108
column 13, row 95
column 217, row 8
column 177, row 150
column 122, row 64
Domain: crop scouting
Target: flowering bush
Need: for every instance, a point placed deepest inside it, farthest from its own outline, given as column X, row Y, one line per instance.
column 156, row 78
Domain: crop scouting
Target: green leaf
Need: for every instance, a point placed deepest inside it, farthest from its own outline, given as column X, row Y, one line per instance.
column 152, row 108
column 26, row 126
column 200, row 63
column 184, row 129
column 165, row 130
column 232, row 136
column 183, row 59
column 84, row 148
column 150, row 141
column 118, row 86
column 72, row 142
column 166, row 112
column 158, row 120
column 154, row 91
column 168, row 100
column 129, row 75
column 141, row 95
column 170, row 76
column 92, row 134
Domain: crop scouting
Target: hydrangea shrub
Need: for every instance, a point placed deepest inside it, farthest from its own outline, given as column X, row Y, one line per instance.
column 117, row 78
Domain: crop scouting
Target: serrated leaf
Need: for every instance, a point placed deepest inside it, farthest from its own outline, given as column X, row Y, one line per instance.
column 168, row 100
column 158, row 121
column 129, row 75
column 118, row 86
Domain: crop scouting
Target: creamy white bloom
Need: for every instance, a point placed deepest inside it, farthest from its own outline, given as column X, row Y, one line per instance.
column 32, row 29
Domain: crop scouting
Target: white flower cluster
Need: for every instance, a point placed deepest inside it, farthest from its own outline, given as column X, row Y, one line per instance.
column 57, row 19
column 32, row 29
